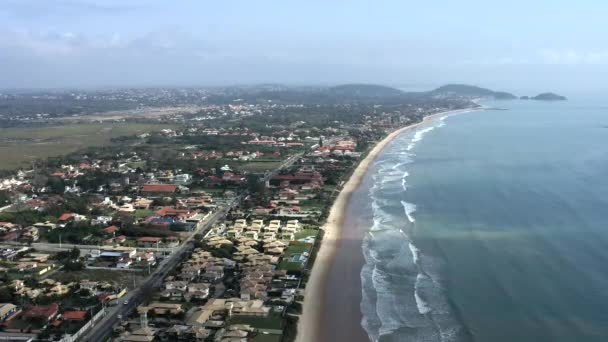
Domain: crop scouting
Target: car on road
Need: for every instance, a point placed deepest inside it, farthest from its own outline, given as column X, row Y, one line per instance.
column 126, row 302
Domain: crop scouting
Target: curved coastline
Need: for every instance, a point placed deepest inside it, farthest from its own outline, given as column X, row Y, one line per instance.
column 309, row 324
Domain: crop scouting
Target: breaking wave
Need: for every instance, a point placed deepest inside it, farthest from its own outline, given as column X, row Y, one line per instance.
column 409, row 210
column 402, row 295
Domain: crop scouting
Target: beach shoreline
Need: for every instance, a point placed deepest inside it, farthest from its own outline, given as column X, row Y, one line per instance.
column 311, row 319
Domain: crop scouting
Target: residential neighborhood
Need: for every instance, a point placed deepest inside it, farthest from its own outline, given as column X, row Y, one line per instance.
column 203, row 229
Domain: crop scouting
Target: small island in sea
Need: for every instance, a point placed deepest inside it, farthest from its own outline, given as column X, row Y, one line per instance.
column 549, row 97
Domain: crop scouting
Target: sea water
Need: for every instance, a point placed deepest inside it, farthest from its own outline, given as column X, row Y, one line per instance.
column 491, row 226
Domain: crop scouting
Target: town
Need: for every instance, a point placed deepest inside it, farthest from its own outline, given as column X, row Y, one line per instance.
column 202, row 229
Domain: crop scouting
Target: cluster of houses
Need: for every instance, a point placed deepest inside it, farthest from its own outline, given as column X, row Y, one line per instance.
column 66, row 313
column 340, row 148
column 236, row 275
column 20, row 261
column 232, row 155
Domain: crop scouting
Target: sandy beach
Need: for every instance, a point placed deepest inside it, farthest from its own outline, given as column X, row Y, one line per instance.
column 317, row 321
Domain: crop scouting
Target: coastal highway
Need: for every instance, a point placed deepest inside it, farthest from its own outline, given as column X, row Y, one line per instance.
column 56, row 247
column 102, row 330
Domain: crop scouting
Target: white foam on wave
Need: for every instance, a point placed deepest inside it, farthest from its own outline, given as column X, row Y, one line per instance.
column 423, row 307
column 386, row 310
column 404, row 181
column 415, row 252
column 420, row 134
column 409, row 210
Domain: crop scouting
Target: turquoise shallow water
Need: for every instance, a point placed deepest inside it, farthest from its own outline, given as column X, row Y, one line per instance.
column 492, row 226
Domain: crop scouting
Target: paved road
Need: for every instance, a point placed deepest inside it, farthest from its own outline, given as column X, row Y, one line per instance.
column 103, row 329
column 55, row 247
column 287, row 163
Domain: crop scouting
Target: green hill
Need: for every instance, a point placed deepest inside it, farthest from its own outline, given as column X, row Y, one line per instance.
column 364, row 90
column 471, row 91
column 549, row 97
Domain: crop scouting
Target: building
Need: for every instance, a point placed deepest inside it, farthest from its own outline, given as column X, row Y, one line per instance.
column 149, row 241
column 74, row 316
column 7, row 310
column 159, row 189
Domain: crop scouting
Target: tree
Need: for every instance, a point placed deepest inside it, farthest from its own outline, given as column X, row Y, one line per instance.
column 5, row 198
column 56, row 185
column 6, row 296
column 75, row 253
column 73, row 266
column 7, row 217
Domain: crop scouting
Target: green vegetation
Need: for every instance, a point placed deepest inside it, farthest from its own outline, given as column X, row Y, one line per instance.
column 77, row 232
column 5, row 198
column 259, row 166
column 142, row 213
column 472, row 91
column 266, row 338
column 22, row 145
column 549, row 97
column 306, row 233
column 292, row 250
column 122, row 279
column 313, row 204
column 273, row 321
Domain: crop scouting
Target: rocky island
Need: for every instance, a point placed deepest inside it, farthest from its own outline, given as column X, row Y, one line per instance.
column 549, row 97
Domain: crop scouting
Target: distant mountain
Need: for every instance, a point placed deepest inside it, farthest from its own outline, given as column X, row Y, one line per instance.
column 364, row 90
column 464, row 90
column 549, row 97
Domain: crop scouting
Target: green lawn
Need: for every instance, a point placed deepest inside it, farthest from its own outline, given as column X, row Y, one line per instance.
column 313, row 204
column 273, row 321
column 142, row 213
column 306, row 232
column 19, row 146
column 266, row 338
column 285, row 264
column 258, row 166
column 290, row 266
column 124, row 279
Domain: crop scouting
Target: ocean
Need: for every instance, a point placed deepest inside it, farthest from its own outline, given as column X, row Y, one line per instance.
column 491, row 226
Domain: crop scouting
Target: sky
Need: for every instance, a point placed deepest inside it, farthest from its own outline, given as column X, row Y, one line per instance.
column 519, row 46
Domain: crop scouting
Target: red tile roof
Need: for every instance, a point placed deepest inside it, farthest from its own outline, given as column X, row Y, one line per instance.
column 103, row 297
column 66, row 216
column 74, row 315
column 169, row 188
column 168, row 211
column 9, row 237
column 110, row 229
column 47, row 312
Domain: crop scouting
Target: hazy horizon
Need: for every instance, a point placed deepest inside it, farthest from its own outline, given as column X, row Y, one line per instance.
column 518, row 46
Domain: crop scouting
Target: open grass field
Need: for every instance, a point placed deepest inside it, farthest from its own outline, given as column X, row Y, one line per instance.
column 19, row 146
column 292, row 250
column 124, row 279
column 259, row 166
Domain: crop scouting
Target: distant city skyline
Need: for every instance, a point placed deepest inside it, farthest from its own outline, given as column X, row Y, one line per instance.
column 515, row 46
